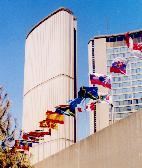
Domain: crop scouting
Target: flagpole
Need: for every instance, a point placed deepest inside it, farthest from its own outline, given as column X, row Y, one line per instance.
column 65, row 132
column 75, row 116
column 131, row 79
column 112, row 106
column 85, row 114
column 95, row 117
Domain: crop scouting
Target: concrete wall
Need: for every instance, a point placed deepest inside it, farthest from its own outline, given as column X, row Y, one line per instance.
column 117, row 146
column 102, row 117
column 49, row 79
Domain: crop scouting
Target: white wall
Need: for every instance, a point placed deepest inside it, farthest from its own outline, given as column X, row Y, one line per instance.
column 49, row 79
column 102, row 117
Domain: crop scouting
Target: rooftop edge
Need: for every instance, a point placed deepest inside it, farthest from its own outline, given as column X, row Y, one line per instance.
column 113, row 35
column 47, row 17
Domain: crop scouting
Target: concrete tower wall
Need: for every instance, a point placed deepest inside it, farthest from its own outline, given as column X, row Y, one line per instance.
column 49, row 78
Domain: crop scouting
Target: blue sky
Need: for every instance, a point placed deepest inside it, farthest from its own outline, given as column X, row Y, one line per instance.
column 95, row 17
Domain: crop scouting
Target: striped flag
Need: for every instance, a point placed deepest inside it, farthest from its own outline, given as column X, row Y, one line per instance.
column 100, row 79
column 136, row 48
column 119, row 66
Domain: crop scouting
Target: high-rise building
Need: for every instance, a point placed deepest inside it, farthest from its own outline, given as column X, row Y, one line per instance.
column 126, row 89
column 50, row 79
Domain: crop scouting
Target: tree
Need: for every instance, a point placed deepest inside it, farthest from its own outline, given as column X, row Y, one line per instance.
column 9, row 132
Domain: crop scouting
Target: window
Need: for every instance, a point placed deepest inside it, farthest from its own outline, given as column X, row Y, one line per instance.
column 125, row 78
column 128, row 108
column 134, row 76
column 121, row 103
column 137, row 95
column 116, row 109
column 136, row 107
column 135, row 101
column 123, row 115
column 127, row 102
column 127, row 96
column 125, row 84
column 118, row 116
column 139, row 100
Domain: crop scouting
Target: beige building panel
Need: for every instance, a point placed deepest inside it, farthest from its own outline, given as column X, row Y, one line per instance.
column 49, row 79
column 102, row 109
column 102, row 116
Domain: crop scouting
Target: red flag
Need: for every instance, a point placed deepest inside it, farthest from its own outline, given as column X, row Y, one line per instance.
column 100, row 79
column 130, row 44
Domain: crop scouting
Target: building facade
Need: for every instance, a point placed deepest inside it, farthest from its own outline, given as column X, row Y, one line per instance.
column 50, row 79
column 126, row 89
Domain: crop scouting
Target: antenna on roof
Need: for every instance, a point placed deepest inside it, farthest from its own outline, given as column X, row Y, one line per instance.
column 107, row 25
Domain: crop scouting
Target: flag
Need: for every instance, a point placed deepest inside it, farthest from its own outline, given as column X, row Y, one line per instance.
column 49, row 112
column 38, row 134
column 74, row 103
column 64, row 109
column 61, row 109
column 106, row 98
column 91, row 106
column 69, row 113
column 100, row 79
column 136, row 48
column 81, row 107
column 56, row 118
column 88, row 92
column 48, row 124
column 43, row 124
column 119, row 66
column 25, row 136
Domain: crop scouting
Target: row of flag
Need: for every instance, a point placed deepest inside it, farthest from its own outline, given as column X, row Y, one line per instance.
column 53, row 118
column 27, row 139
column 57, row 117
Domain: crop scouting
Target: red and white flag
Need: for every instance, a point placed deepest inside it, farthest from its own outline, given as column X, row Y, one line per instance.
column 91, row 106
column 135, row 48
column 81, row 107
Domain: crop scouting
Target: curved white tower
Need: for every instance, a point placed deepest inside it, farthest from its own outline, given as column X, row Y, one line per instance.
column 50, row 78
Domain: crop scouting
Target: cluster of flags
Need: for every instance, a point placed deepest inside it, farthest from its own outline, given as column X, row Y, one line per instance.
column 53, row 118
column 27, row 139
column 57, row 117
column 35, row 134
column 22, row 145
